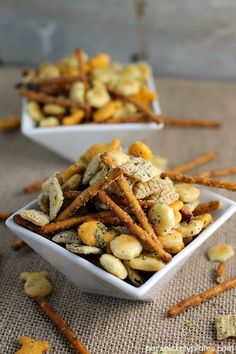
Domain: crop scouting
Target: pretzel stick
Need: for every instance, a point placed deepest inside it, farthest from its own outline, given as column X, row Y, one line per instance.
column 190, row 123
column 26, row 224
column 106, row 217
column 43, row 98
column 72, row 170
column 178, row 177
column 220, row 273
column 34, row 187
column 197, row 299
column 115, row 120
column 220, row 172
column 207, row 207
column 199, row 161
column 89, row 193
column 152, row 244
column 84, row 79
column 4, row 215
column 145, row 110
column 186, row 214
column 71, row 194
column 210, row 350
column 82, row 72
column 18, row 245
column 10, row 123
column 61, row 325
column 63, row 80
column 130, row 197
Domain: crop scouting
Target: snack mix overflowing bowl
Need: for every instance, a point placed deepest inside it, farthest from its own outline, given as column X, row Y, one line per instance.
column 83, row 99
column 115, row 224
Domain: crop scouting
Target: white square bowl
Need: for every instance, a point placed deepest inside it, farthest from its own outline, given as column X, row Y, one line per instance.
column 92, row 279
column 71, row 141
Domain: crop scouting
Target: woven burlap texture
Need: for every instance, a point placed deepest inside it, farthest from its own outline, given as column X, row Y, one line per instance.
column 106, row 325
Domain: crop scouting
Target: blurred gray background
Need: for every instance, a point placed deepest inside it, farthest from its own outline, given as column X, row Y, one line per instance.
column 187, row 38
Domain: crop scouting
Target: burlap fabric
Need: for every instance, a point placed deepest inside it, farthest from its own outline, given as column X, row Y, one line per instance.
column 106, row 325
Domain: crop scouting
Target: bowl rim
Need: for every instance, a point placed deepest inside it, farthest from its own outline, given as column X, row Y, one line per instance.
column 28, row 127
column 137, row 292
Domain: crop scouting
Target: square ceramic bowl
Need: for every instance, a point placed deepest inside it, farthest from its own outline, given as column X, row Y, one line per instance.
column 92, row 279
column 71, row 141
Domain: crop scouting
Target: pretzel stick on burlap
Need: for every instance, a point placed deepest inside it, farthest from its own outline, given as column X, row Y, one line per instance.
column 190, row 123
column 151, row 116
column 9, row 124
column 219, row 172
column 197, row 299
column 153, row 244
column 43, row 98
column 207, row 207
column 34, row 187
column 199, row 161
column 210, row 350
column 178, row 177
column 130, row 197
column 61, row 325
column 89, row 193
column 18, row 245
column 4, row 215
column 220, row 273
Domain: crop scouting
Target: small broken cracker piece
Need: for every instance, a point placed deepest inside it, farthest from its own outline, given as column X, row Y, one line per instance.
column 92, row 168
column 35, row 216
column 32, row 346
column 225, row 326
column 140, row 169
column 72, row 183
column 220, row 252
column 66, row 237
column 55, row 194
column 220, row 273
column 36, row 283
column 75, row 248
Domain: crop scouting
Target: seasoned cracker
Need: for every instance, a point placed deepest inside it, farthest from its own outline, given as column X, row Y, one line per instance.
column 35, row 216
column 55, row 194
column 43, row 202
column 92, row 169
column 75, row 248
column 66, row 237
column 220, row 252
column 140, row 169
column 225, row 326
column 72, row 183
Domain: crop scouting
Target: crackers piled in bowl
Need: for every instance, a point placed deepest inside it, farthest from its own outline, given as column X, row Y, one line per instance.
column 118, row 210
column 81, row 89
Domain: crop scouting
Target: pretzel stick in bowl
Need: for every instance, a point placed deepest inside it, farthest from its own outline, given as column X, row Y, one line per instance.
column 153, row 244
column 59, row 81
column 197, row 299
column 82, row 71
column 151, row 116
column 43, row 98
column 219, row 172
column 89, row 193
column 61, row 324
column 130, row 197
column 207, row 207
column 178, row 177
column 199, row 161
